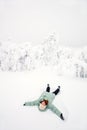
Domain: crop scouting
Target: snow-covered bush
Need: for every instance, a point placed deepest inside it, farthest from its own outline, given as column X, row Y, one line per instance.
column 26, row 57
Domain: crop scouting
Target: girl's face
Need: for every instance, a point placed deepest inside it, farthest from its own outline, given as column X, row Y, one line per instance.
column 42, row 105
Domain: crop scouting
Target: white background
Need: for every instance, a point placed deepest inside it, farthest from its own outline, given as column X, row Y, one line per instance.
column 34, row 20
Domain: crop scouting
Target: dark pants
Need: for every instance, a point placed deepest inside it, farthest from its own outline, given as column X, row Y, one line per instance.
column 55, row 92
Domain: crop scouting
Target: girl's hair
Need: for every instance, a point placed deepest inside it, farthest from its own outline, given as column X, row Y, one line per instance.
column 46, row 101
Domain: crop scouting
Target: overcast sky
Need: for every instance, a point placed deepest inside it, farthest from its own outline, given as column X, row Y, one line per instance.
column 34, row 20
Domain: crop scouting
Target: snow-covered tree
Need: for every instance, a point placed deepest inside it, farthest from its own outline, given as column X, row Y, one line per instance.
column 26, row 57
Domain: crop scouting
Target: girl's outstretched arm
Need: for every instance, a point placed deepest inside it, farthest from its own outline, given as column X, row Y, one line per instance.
column 32, row 103
column 56, row 111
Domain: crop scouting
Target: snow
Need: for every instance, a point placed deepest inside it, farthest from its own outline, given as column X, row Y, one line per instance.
column 26, row 57
column 18, row 87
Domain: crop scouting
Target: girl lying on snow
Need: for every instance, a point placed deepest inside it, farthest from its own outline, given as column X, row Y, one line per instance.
column 45, row 101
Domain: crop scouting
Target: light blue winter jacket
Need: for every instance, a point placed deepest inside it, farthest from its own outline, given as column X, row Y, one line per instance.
column 45, row 96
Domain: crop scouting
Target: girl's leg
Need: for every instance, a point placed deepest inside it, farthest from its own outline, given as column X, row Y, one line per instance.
column 48, row 88
column 57, row 90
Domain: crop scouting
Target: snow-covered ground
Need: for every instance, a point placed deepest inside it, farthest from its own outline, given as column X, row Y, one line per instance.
column 18, row 87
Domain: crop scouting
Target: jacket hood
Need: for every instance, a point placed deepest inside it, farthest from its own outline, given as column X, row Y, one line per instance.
column 47, row 96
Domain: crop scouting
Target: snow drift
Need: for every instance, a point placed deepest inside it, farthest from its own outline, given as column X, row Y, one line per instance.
column 16, row 88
